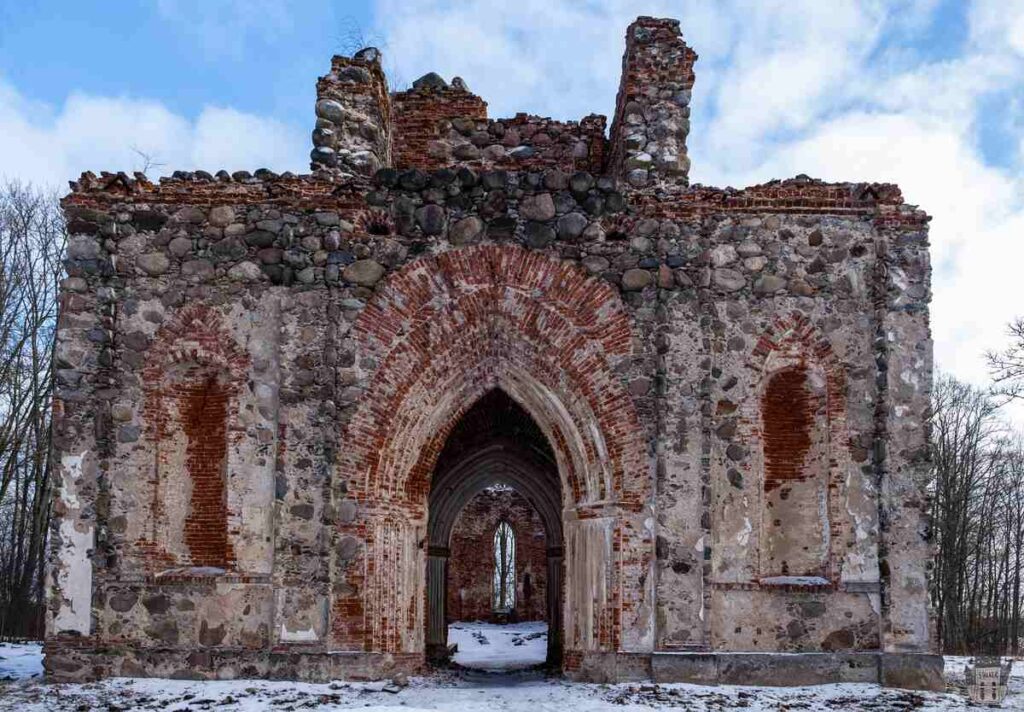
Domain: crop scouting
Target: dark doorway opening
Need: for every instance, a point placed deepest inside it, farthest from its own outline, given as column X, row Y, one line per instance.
column 494, row 565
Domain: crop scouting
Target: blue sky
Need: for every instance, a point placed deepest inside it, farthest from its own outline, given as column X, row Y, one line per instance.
column 257, row 56
column 926, row 93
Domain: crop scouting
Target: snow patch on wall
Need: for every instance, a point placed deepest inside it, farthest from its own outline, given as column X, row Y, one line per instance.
column 743, row 538
column 298, row 636
column 794, row 581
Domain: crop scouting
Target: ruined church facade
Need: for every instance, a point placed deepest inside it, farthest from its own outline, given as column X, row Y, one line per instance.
column 277, row 394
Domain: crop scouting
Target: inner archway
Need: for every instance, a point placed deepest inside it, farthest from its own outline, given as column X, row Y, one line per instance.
column 495, row 484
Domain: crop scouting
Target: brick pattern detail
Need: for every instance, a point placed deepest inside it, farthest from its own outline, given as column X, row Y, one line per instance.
column 448, row 127
column 203, row 412
column 423, row 116
column 880, row 202
column 471, row 562
column 788, row 412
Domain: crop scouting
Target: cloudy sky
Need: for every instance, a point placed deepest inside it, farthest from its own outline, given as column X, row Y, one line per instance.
column 925, row 93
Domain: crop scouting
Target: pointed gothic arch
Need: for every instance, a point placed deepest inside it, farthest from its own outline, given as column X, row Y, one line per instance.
column 442, row 332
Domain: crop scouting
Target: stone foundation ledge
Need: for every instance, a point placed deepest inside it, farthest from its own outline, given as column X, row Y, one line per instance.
column 912, row 671
column 79, row 664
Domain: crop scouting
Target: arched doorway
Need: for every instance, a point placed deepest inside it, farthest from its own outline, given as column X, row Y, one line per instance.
column 438, row 335
column 496, row 442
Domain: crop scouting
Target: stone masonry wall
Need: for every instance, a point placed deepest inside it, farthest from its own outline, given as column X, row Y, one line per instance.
column 280, row 273
column 339, row 324
column 652, row 109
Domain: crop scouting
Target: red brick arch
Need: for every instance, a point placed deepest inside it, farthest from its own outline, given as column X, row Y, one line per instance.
column 440, row 333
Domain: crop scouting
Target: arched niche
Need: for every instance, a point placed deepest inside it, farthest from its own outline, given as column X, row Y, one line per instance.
column 800, row 428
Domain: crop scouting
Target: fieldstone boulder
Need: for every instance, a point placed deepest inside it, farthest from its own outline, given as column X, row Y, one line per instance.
column 595, row 264
column 723, row 255
column 123, row 601
column 431, row 219
column 430, row 80
column 153, row 263
column 537, row 207
column 539, row 235
column 466, row 152
column 190, row 214
column 348, row 547
column 368, row 54
column 769, row 284
column 572, row 225
column 728, row 280
column 364, row 273
column 748, row 248
column 580, row 182
column 245, row 272
column 222, row 216
column 466, row 231
column 634, row 280
column 331, row 110
column 180, row 246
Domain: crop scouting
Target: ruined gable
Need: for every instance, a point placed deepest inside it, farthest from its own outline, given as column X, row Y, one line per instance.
column 277, row 393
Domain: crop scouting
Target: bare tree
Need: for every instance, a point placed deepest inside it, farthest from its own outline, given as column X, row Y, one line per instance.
column 1007, row 366
column 353, row 37
column 977, row 521
column 31, row 246
column 504, row 567
column 146, row 160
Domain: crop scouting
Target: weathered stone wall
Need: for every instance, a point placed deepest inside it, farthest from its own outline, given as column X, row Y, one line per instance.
column 652, row 109
column 353, row 116
column 299, row 348
column 471, row 564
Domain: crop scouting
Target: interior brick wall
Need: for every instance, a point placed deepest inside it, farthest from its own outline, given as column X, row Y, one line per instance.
column 788, row 415
column 471, row 562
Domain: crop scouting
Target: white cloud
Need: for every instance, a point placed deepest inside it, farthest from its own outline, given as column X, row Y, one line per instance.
column 222, row 27
column 833, row 89
column 51, row 145
column 549, row 57
column 975, row 232
column 997, row 25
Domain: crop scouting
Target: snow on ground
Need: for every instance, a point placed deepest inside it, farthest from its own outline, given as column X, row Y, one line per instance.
column 461, row 691
column 20, row 661
column 499, row 648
